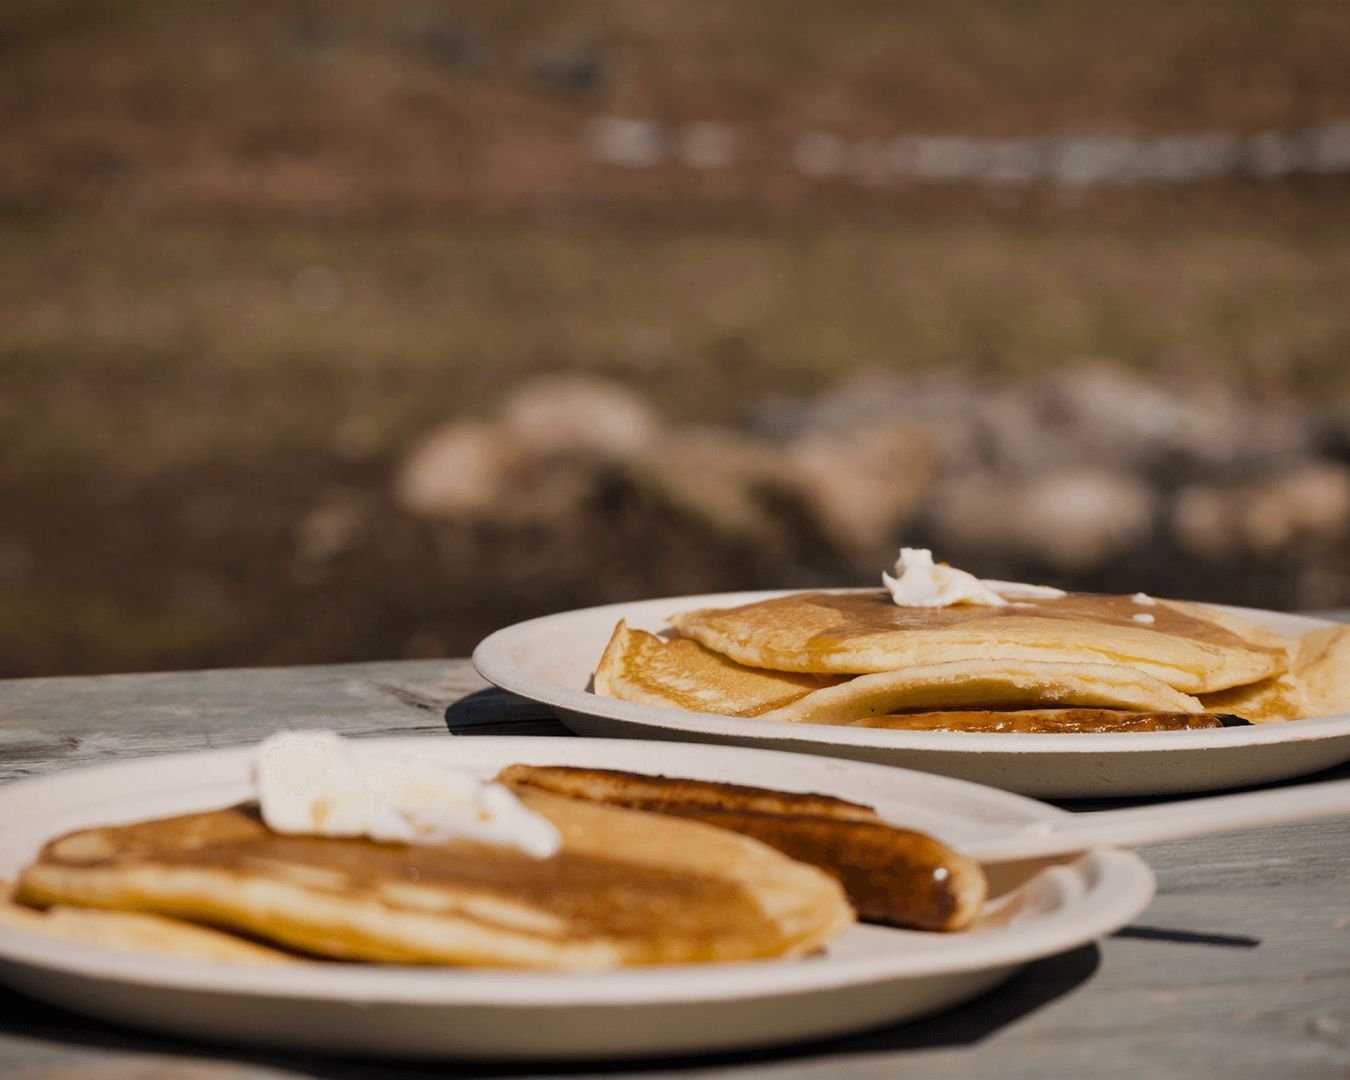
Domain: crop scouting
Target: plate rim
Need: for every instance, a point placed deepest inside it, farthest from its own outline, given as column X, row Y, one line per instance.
column 492, row 660
column 1122, row 886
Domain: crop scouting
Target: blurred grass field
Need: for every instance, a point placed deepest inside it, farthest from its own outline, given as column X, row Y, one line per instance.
column 248, row 254
column 158, row 346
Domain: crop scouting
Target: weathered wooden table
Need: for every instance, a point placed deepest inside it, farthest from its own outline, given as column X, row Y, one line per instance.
column 1240, row 968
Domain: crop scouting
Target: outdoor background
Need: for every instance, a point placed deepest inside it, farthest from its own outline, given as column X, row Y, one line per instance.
column 337, row 330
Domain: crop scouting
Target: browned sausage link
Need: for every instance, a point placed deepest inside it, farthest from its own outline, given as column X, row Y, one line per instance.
column 628, row 788
column 891, row 875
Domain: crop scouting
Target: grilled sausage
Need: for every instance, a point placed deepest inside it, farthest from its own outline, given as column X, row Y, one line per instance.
column 892, row 875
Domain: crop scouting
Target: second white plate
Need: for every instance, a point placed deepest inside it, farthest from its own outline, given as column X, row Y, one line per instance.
column 551, row 660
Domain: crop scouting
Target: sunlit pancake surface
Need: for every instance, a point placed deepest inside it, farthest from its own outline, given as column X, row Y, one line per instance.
column 1184, row 645
column 627, row 888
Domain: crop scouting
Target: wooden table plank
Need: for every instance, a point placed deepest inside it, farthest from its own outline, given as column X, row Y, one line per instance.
column 1240, row 967
column 48, row 724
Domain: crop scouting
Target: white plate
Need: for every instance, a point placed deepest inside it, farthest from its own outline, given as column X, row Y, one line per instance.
column 870, row 977
column 551, row 660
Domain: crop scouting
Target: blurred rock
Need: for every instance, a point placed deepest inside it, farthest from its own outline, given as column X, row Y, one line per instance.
column 1094, row 159
column 719, row 477
column 1108, row 414
column 820, row 154
column 945, row 406
column 1072, row 520
column 629, row 143
column 580, row 413
column 458, row 470
column 1015, row 161
column 1094, row 413
column 948, row 157
column 1204, row 521
column 1330, row 147
column 554, row 491
column 1081, row 518
column 1094, row 476
column 1310, row 501
column 1180, row 158
column 870, row 161
column 706, row 144
column 863, row 484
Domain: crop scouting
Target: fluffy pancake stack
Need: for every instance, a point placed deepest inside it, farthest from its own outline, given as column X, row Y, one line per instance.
column 1074, row 663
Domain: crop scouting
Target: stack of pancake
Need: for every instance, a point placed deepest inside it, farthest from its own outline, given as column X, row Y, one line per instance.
column 627, row 887
column 1067, row 663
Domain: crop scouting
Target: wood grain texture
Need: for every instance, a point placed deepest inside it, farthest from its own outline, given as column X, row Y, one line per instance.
column 48, row 724
column 1240, row 967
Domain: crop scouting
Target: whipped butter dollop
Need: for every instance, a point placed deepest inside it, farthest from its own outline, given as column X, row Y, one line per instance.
column 317, row 783
column 920, row 582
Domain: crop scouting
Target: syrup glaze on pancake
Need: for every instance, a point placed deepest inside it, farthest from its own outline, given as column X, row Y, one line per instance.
column 1278, row 698
column 624, row 890
column 1043, row 721
column 862, row 632
column 1317, row 684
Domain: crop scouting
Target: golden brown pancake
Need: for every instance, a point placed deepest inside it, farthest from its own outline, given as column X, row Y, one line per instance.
column 1042, row 721
column 892, row 875
column 131, row 931
column 1317, row 684
column 627, row 888
column 682, row 674
column 1186, row 646
column 1281, row 697
column 989, row 684
column 1322, row 667
column 678, row 673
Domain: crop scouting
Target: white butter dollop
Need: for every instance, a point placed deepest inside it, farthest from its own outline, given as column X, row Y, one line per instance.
column 317, row 783
column 919, row 582
column 1144, row 600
